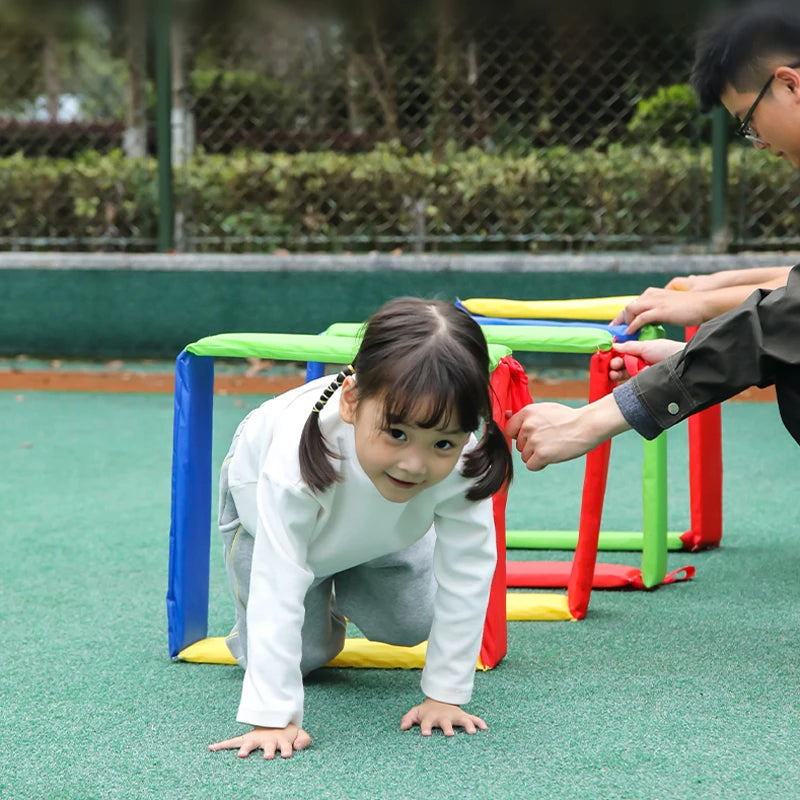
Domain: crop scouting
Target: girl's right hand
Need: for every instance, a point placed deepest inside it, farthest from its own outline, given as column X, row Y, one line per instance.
column 270, row 740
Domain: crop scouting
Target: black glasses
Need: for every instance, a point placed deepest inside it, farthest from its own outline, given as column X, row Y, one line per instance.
column 744, row 130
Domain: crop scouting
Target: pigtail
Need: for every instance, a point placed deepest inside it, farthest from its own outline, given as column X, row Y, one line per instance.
column 316, row 466
column 490, row 462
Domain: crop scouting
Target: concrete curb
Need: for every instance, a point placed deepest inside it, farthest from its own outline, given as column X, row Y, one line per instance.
column 614, row 263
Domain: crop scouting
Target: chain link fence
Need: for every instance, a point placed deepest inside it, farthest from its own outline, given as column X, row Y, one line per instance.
column 358, row 126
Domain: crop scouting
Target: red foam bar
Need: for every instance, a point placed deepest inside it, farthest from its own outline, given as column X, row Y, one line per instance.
column 581, row 579
column 509, row 393
column 705, row 476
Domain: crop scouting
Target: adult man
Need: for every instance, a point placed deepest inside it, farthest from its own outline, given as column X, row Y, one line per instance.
column 749, row 61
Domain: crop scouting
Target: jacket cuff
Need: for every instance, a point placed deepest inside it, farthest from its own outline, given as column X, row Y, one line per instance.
column 634, row 411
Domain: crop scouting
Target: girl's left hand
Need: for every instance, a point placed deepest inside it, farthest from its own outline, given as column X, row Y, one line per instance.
column 432, row 714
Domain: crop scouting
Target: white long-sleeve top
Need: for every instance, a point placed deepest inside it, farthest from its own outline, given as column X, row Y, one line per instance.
column 301, row 535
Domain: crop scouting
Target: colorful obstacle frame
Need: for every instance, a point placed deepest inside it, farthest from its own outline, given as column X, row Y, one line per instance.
column 190, row 527
column 652, row 540
column 704, row 430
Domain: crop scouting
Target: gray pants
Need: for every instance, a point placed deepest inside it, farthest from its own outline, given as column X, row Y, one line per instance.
column 389, row 599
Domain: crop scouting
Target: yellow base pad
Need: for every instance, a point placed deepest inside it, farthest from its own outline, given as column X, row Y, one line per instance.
column 356, row 653
column 520, row 606
column 537, row 607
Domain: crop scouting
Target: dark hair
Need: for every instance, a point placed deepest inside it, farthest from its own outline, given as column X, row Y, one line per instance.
column 741, row 48
column 423, row 357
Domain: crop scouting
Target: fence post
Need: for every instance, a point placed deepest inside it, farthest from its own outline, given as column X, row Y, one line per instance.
column 161, row 14
column 720, row 235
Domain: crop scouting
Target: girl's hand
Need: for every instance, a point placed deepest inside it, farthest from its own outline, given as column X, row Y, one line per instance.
column 432, row 714
column 270, row 740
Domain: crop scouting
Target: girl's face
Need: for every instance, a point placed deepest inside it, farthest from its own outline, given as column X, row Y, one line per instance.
column 404, row 459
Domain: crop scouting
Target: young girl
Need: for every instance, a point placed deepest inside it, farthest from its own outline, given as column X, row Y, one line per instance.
column 382, row 515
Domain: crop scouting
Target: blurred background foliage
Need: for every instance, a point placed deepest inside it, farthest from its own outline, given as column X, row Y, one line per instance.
column 365, row 124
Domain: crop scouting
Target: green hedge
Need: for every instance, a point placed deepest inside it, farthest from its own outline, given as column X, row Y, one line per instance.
column 636, row 195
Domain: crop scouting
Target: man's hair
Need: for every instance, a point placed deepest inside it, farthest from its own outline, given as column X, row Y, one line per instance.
column 741, row 48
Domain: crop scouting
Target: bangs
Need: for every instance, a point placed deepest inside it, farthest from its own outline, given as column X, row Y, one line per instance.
column 436, row 396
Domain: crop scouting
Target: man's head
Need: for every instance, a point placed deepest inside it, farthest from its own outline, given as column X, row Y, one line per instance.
column 750, row 61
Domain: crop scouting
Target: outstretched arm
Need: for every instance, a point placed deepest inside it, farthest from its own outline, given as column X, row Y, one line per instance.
column 670, row 307
column 548, row 433
column 763, row 277
column 748, row 346
column 695, row 299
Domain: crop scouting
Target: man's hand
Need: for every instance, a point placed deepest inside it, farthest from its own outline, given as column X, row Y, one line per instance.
column 651, row 352
column 696, row 283
column 656, row 306
column 548, row 433
column 432, row 714
column 271, row 740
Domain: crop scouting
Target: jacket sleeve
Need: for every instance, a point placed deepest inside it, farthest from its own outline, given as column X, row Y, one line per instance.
column 272, row 690
column 747, row 346
column 465, row 556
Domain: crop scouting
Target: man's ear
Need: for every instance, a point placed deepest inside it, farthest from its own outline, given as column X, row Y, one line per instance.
column 348, row 399
column 790, row 78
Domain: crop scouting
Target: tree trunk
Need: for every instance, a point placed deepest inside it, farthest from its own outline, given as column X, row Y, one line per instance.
column 354, row 117
column 52, row 80
column 444, row 93
column 134, row 141
column 379, row 75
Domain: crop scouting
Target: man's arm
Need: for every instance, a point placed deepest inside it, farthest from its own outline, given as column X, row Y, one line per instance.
column 747, row 346
column 763, row 277
column 548, row 433
column 695, row 299
column 670, row 307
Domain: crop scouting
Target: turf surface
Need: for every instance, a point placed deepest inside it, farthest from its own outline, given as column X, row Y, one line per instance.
column 688, row 691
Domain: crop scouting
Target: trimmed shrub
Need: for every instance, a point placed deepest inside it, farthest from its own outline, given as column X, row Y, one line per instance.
column 624, row 197
column 671, row 116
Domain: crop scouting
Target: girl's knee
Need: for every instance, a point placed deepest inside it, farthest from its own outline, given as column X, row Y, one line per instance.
column 401, row 632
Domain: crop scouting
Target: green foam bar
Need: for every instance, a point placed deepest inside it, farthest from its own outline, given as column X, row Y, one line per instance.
column 295, row 347
column 543, row 339
column 568, row 540
column 526, row 338
column 654, row 511
column 648, row 332
column 344, row 329
column 281, row 346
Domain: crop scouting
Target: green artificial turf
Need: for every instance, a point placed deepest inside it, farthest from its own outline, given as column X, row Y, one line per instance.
column 690, row 691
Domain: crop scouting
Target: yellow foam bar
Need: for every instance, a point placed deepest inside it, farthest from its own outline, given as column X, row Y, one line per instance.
column 601, row 309
column 538, row 606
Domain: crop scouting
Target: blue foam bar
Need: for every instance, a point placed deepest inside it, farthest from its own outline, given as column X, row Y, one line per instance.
column 617, row 331
column 314, row 370
column 190, row 529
